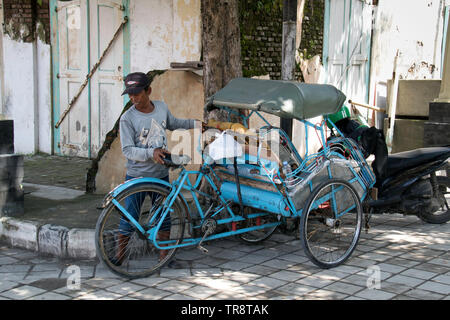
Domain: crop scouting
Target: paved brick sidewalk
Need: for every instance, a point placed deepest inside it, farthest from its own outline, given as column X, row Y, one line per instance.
column 412, row 259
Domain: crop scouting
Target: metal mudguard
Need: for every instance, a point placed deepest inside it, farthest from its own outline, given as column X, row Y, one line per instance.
column 135, row 181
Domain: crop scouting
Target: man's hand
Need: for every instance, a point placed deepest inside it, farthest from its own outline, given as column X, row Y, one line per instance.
column 159, row 154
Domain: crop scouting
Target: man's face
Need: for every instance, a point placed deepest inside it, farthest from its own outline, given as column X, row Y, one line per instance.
column 139, row 98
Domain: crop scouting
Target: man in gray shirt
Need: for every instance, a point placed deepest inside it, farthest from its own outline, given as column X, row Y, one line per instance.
column 144, row 144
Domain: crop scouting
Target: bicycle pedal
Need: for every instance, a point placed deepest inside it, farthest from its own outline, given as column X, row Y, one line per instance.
column 202, row 249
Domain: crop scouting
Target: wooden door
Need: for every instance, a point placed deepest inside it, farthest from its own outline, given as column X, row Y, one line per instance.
column 73, row 68
column 85, row 28
column 106, row 84
column 347, row 46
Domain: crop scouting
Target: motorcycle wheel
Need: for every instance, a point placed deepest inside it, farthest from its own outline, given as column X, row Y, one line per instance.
column 441, row 215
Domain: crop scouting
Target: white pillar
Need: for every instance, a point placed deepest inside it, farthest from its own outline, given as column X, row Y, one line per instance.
column 20, row 102
column 2, row 94
column 444, row 94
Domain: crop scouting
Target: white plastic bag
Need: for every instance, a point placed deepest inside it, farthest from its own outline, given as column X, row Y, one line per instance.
column 224, row 147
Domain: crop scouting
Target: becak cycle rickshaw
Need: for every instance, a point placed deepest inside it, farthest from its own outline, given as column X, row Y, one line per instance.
column 256, row 181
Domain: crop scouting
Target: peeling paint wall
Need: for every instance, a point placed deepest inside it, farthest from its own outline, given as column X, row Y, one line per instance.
column 27, row 20
column 26, row 92
column 44, row 97
column 19, row 92
column 162, row 32
column 414, row 27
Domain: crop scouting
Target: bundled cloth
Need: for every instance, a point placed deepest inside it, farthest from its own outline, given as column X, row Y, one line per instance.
column 371, row 140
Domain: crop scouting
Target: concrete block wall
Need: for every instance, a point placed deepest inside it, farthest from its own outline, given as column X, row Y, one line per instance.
column 414, row 96
column 412, row 112
column 437, row 128
column 408, row 134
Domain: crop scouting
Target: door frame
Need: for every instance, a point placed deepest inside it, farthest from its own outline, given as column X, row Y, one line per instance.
column 444, row 37
column 55, row 50
column 326, row 38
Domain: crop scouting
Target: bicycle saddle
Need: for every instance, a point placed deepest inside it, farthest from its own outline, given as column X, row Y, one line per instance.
column 173, row 160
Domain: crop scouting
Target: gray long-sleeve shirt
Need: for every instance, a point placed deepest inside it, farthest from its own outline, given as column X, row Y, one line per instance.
column 141, row 133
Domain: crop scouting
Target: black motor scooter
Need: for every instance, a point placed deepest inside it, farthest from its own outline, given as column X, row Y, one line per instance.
column 411, row 185
column 407, row 182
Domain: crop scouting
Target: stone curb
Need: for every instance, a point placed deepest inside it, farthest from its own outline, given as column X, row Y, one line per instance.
column 48, row 239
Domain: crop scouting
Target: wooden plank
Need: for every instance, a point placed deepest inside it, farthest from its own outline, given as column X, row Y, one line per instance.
column 187, row 64
column 393, row 105
column 367, row 106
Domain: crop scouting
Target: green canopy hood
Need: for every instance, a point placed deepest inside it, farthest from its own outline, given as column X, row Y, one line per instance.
column 287, row 99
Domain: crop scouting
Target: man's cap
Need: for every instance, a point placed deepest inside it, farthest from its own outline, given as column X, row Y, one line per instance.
column 135, row 82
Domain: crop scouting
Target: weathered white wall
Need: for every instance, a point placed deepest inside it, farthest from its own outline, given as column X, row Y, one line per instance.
column 27, row 94
column 414, row 27
column 162, row 32
column 1, row 64
column 19, row 92
column 44, row 97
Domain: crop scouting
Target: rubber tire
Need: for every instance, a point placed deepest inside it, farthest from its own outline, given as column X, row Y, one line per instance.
column 103, row 256
column 430, row 217
column 304, row 217
column 267, row 235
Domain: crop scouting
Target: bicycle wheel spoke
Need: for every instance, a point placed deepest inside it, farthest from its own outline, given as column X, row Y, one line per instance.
column 127, row 251
column 330, row 228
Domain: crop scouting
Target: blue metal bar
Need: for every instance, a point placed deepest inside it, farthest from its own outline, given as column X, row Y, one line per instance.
column 338, row 215
column 128, row 216
column 172, row 196
column 190, row 242
column 263, row 118
column 54, row 34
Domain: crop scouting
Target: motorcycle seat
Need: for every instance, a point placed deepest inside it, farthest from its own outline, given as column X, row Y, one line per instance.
column 405, row 160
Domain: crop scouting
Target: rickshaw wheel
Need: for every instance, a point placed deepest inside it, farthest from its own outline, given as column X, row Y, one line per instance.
column 257, row 236
column 140, row 258
column 331, row 222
